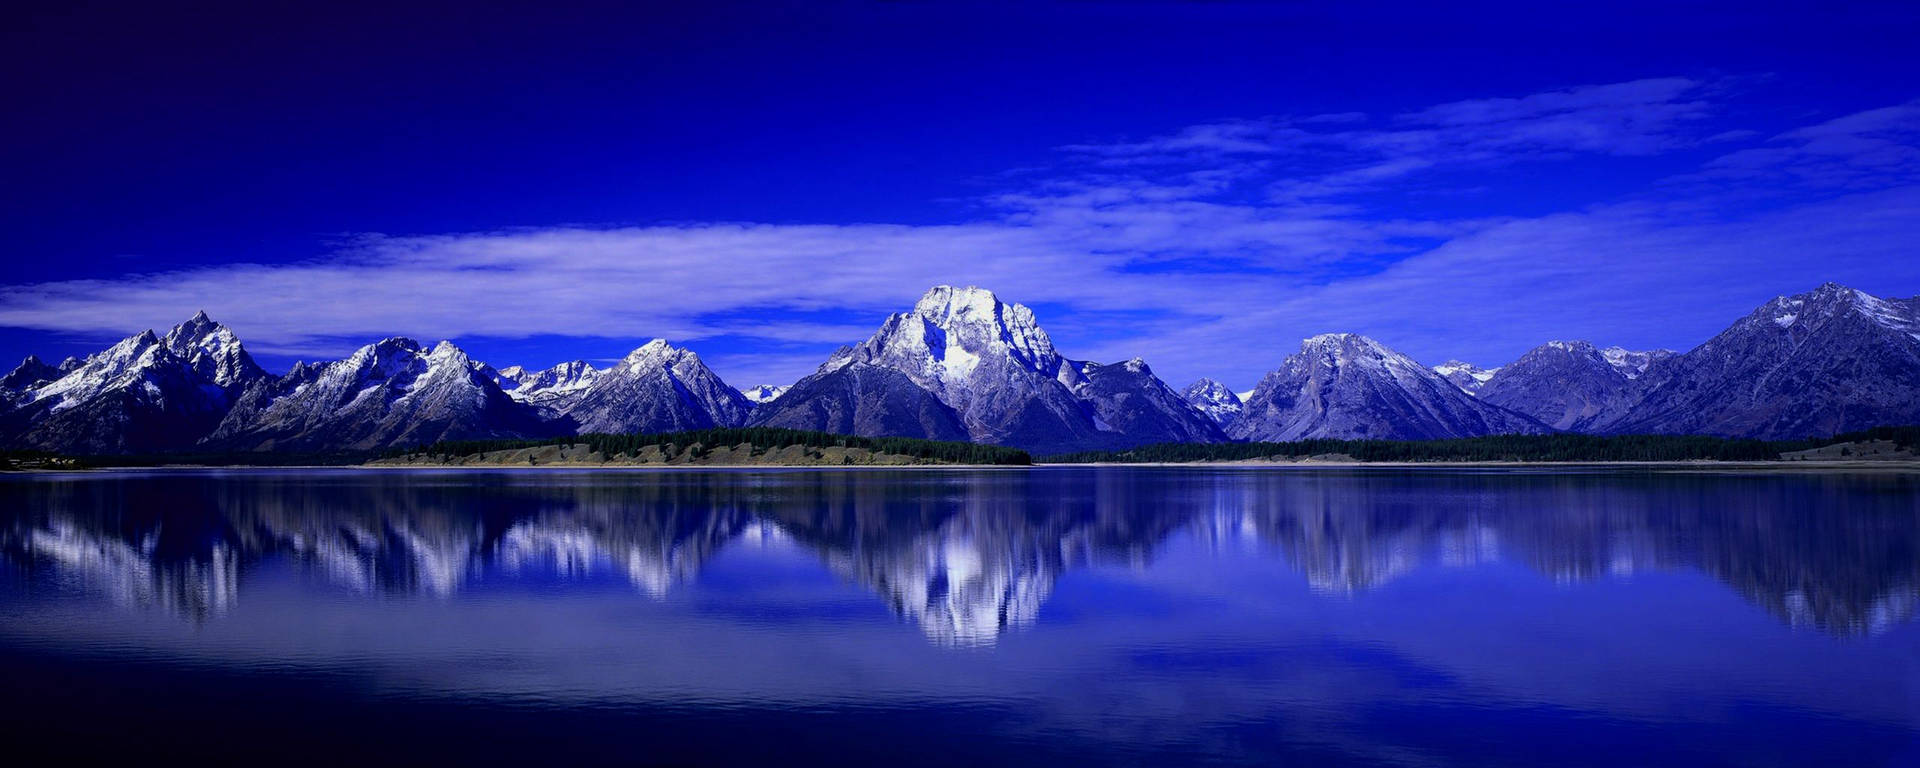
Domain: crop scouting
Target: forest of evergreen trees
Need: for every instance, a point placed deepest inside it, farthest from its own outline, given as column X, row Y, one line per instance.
column 761, row 438
column 1557, row 447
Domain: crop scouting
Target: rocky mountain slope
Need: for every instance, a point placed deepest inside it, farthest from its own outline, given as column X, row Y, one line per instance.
column 1830, row 360
column 1567, row 385
column 1128, row 399
column 1344, row 385
column 863, row 399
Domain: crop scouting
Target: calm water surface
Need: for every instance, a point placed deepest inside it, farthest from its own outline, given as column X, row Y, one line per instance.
column 1051, row 616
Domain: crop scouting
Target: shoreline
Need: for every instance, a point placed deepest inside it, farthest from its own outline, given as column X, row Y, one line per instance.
column 1704, row 465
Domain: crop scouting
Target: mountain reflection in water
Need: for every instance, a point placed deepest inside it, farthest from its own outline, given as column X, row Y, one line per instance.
column 967, row 555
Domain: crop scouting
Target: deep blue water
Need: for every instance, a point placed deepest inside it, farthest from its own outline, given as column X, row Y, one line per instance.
column 1053, row 616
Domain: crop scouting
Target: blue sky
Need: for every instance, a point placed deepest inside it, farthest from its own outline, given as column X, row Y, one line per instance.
column 1201, row 185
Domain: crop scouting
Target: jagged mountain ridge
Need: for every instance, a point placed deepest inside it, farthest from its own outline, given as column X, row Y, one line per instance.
column 146, row 393
column 389, row 393
column 863, row 399
column 556, row 388
column 965, row 365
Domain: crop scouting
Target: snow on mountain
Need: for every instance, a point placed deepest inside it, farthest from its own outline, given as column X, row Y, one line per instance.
column 145, row 393
column 1632, row 363
column 389, row 393
column 962, row 364
column 990, row 362
column 1830, row 360
column 765, row 393
column 656, row 388
column 213, row 351
column 1214, row 400
column 554, row 389
column 29, row 374
column 1345, row 385
column 1467, row 376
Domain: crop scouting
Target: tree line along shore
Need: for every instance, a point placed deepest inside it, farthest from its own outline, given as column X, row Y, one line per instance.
column 768, row 446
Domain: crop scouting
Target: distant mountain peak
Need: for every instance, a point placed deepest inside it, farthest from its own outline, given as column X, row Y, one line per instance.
column 1467, row 376
column 1633, row 363
column 553, row 388
column 764, row 393
column 1345, row 385
column 1213, row 399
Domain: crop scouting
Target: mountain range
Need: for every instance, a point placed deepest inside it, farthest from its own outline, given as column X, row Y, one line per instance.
column 962, row 364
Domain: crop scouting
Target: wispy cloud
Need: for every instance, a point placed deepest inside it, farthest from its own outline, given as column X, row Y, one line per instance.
column 1329, row 155
column 1870, row 149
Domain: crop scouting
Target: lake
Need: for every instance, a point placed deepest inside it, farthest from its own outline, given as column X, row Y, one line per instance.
column 1045, row 616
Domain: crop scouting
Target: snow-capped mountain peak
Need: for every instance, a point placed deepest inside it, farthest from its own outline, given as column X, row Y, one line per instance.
column 986, row 363
column 951, row 330
column 116, row 367
column 656, row 387
column 213, row 351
